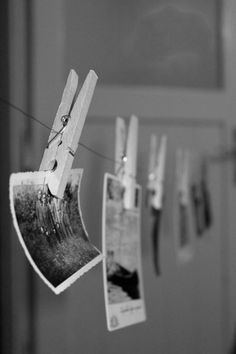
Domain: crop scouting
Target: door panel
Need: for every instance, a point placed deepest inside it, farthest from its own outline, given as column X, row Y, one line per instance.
column 184, row 304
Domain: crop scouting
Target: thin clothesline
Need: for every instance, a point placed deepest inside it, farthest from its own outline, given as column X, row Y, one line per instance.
column 30, row 116
column 212, row 158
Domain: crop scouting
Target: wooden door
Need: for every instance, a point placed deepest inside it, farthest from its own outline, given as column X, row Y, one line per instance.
column 185, row 304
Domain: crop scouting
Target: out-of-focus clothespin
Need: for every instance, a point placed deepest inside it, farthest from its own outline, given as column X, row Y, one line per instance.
column 185, row 250
column 207, row 207
column 66, row 130
column 126, row 157
column 157, row 160
column 196, row 196
column 155, row 191
column 151, row 168
column 183, row 171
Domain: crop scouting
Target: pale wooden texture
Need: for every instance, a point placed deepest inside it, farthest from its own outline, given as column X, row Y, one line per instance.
column 152, row 162
column 131, row 163
column 63, row 148
column 126, row 147
column 159, row 174
column 64, row 109
column 120, row 146
column 182, row 174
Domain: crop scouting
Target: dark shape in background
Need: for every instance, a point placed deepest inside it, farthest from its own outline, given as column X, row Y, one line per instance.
column 201, row 201
column 207, row 204
column 197, row 202
column 156, row 213
column 183, row 226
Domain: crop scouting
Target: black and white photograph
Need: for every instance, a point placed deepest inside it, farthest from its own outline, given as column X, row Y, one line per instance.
column 122, row 263
column 51, row 230
column 90, row 92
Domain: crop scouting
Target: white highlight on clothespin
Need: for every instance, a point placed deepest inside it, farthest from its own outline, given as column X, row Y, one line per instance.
column 157, row 161
column 126, row 157
column 183, row 171
column 120, row 147
column 66, row 130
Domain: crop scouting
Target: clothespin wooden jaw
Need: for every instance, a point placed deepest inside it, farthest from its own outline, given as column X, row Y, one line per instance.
column 66, row 130
column 159, row 173
column 157, row 159
column 183, row 170
column 120, row 148
column 152, row 163
column 126, row 155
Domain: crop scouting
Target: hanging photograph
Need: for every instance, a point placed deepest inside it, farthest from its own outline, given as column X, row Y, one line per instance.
column 51, row 230
column 122, row 273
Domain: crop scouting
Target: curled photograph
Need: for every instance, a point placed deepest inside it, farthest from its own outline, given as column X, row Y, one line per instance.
column 51, row 230
column 123, row 285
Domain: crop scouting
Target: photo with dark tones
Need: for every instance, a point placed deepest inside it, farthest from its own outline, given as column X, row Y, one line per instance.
column 121, row 247
column 51, row 230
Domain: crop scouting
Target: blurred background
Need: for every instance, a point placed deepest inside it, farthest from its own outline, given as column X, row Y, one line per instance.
column 173, row 64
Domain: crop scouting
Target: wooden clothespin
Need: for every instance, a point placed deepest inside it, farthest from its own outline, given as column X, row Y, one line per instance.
column 157, row 160
column 184, row 239
column 183, row 170
column 152, row 163
column 126, row 158
column 66, row 130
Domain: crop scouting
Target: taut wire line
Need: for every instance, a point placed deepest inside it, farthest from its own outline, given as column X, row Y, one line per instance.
column 30, row 116
column 209, row 157
column 24, row 113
